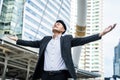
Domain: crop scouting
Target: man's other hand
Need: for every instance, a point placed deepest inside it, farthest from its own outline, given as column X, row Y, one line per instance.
column 108, row 29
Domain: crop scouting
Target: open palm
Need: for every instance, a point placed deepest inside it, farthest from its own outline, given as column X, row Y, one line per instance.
column 15, row 38
column 109, row 28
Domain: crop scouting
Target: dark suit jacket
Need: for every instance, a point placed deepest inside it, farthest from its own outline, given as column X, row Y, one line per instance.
column 67, row 42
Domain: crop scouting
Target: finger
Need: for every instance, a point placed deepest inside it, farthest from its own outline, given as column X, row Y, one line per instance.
column 114, row 25
column 109, row 27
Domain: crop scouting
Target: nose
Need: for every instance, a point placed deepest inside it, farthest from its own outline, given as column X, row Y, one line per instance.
column 56, row 23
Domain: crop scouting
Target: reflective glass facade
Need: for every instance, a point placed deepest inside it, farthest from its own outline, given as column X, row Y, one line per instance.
column 32, row 19
column 11, row 17
column 116, row 63
column 40, row 15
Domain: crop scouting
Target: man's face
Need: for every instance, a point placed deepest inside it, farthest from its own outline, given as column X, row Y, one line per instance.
column 58, row 27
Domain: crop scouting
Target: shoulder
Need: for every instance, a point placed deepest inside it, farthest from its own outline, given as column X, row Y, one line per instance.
column 69, row 37
column 46, row 38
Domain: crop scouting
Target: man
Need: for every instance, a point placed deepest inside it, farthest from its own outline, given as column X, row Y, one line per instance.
column 55, row 60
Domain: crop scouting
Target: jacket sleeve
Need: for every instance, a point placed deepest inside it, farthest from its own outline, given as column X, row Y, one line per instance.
column 35, row 44
column 82, row 41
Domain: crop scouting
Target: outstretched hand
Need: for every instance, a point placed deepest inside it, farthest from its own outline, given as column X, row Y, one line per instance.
column 108, row 29
column 15, row 38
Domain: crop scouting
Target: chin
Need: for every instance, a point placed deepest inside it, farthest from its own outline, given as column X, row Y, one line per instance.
column 55, row 30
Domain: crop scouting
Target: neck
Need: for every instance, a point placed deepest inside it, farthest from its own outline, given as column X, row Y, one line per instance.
column 56, row 34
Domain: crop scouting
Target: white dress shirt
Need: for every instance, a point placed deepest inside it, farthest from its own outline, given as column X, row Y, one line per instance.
column 53, row 60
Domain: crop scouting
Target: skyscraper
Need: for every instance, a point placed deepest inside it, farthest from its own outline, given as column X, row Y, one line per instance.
column 91, row 54
column 40, row 15
column 116, row 63
column 1, row 3
column 33, row 19
column 11, row 17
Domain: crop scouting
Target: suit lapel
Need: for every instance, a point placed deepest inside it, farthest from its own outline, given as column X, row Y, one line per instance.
column 44, row 44
column 62, row 46
column 46, row 41
column 61, row 43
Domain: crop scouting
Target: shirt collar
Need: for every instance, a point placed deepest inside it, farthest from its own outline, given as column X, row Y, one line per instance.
column 57, row 37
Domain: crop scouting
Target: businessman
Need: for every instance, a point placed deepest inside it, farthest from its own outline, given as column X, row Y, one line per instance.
column 55, row 60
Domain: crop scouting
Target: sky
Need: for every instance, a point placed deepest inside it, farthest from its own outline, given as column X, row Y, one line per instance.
column 111, row 15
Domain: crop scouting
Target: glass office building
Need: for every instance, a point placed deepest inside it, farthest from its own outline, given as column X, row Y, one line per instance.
column 32, row 19
column 40, row 16
column 116, row 63
column 11, row 17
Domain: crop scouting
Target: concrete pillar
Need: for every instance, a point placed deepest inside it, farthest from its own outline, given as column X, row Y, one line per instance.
column 5, row 69
column 28, row 70
column 80, row 28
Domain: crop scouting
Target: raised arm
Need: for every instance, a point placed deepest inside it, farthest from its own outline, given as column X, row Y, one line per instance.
column 35, row 44
column 108, row 29
column 82, row 41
